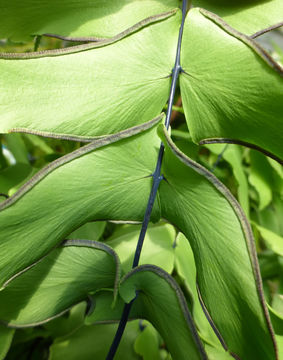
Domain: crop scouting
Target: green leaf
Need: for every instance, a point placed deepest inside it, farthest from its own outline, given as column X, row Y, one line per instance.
column 17, row 147
column 232, row 90
column 233, row 155
column 247, row 16
column 102, row 310
column 279, row 340
column 158, row 249
column 13, row 175
column 60, row 280
column 217, row 354
column 93, row 342
column 147, row 343
column 272, row 240
column 96, row 182
column 277, row 321
column 277, row 304
column 66, row 325
column 261, row 177
column 6, row 337
column 89, row 231
column 20, row 19
column 196, row 202
column 186, row 269
column 158, row 294
column 86, row 91
column 271, row 217
column 162, row 303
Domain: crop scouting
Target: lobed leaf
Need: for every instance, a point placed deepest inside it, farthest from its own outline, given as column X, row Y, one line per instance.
column 232, row 90
column 58, row 281
column 83, row 19
column 196, row 202
column 162, row 302
column 85, row 91
column 96, row 182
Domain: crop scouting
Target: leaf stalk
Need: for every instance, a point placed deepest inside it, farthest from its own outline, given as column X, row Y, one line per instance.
column 157, row 177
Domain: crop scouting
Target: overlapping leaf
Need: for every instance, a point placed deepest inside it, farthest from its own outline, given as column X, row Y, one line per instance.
column 96, row 182
column 158, row 250
column 98, row 18
column 247, row 16
column 232, row 90
column 191, row 198
column 60, row 280
column 162, row 302
column 93, row 342
column 93, row 89
column 205, row 211
column 228, row 100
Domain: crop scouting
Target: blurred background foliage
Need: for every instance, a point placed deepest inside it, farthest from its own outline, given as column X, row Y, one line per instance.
column 254, row 179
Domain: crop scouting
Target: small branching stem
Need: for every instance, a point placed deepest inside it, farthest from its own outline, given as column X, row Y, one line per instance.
column 157, row 177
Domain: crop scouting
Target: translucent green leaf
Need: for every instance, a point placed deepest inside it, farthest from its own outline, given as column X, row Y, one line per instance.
column 196, row 202
column 147, row 343
column 232, row 90
column 60, row 280
column 217, row 354
column 277, row 304
column 233, row 155
column 271, row 217
column 90, row 90
column 96, row 182
column 279, row 340
column 261, row 177
column 17, row 147
column 272, row 240
column 186, row 269
column 163, row 304
column 247, row 16
column 98, row 18
column 276, row 314
column 158, row 249
column 93, row 342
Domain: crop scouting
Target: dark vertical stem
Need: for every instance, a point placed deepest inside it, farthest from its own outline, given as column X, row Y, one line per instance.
column 157, row 177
